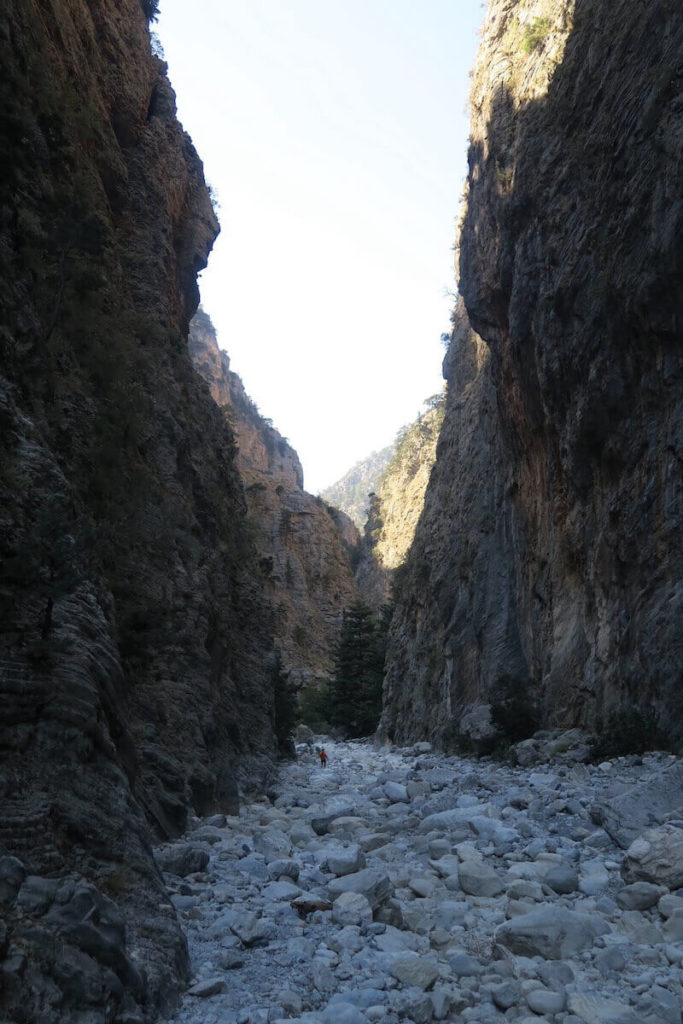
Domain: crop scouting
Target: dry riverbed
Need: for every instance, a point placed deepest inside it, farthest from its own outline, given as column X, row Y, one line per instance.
column 404, row 886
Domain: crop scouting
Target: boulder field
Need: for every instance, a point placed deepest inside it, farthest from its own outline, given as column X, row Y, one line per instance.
column 398, row 885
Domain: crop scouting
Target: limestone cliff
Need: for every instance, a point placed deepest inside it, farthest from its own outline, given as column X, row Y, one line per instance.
column 550, row 548
column 394, row 508
column 136, row 668
column 306, row 548
column 402, row 485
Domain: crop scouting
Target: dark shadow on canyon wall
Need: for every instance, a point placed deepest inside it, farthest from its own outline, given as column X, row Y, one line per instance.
column 136, row 661
column 549, row 550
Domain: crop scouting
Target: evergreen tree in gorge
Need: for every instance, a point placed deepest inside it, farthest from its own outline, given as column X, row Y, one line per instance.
column 355, row 694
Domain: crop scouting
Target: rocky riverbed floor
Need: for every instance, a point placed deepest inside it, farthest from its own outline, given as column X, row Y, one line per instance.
column 399, row 885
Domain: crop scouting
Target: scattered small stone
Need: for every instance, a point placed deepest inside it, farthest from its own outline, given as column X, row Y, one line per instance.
column 305, row 905
column 181, row 859
column 562, row 879
column 209, row 987
column 351, row 908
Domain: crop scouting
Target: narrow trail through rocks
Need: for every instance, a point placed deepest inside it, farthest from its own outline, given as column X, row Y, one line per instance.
column 398, row 885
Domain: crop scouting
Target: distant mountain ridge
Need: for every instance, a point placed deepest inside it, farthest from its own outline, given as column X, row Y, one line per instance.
column 351, row 493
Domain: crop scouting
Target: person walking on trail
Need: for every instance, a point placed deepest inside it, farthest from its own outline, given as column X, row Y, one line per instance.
column 323, row 757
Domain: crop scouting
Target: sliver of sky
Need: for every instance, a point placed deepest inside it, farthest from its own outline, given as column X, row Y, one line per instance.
column 334, row 133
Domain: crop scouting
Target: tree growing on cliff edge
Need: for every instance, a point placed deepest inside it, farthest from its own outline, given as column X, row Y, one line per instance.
column 355, row 692
column 150, row 8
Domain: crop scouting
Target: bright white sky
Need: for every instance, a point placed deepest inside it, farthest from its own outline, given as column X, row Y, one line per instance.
column 335, row 134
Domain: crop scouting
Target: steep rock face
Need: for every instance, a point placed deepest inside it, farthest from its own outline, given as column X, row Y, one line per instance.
column 456, row 586
column 261, row 449
column 306, row 548
column 136, row 667
column 395, row 507
column 562, row 567
column 402, row 486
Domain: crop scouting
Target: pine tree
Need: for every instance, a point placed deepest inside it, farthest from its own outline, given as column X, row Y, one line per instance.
column 355, row 696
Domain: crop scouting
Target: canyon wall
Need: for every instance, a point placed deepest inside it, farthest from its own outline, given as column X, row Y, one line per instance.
column 395, row 506
column 549, row 550
column 136, row 664
column 401, row 488
column 306, row 548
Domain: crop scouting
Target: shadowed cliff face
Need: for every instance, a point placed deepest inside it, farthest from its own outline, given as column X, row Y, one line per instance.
column 135, row 663
column 571, row 249
column 305, row 547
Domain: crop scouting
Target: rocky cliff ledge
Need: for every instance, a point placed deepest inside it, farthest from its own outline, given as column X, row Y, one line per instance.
column 550, row 548
column 136, row 668
column 306, row 548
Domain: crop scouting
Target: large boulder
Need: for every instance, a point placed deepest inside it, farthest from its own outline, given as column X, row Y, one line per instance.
column 414, row 970
column 351, row 908
column 626, row 814
column 551, row 932
column 181, row 859
column 477, row 731
column 376, row 888
column 478, row 879
column 320, row 823
column 656, row 856
column 344, row 860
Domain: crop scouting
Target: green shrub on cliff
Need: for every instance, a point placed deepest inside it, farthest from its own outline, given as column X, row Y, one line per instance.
column 535, row 34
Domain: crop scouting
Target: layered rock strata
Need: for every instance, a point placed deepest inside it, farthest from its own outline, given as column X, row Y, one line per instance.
column 549, row 551
column 136, row 668
column 306, row 548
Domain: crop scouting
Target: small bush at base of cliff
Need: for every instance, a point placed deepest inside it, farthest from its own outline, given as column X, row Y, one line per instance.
column 628, row 730
column 514, row 713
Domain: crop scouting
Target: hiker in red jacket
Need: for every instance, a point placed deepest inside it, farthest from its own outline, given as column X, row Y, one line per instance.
column 323, row 757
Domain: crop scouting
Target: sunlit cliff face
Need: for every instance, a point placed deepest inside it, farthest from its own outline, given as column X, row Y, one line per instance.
column 522, row 44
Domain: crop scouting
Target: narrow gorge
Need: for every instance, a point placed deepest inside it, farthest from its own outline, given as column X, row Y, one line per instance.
column 164, row 573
